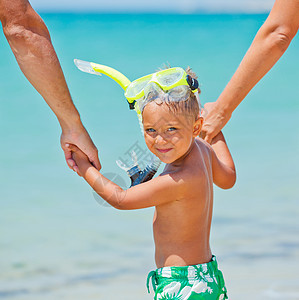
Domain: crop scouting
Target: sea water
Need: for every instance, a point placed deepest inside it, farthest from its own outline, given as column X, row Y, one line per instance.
column 60, row 241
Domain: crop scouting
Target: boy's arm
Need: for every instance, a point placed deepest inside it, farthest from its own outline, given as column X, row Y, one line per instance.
column 224, row 173
column 160, row 190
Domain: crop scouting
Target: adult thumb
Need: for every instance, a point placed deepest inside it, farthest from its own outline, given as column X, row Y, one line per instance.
column 96, row 162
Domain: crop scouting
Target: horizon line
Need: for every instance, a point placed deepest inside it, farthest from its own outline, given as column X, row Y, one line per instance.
column 154, row 12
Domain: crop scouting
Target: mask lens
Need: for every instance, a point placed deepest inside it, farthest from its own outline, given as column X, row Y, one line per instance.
column 152, row 91
column 169, row 78
column 137, row 86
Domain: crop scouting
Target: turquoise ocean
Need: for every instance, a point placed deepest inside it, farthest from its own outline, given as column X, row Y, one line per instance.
column 59, row 241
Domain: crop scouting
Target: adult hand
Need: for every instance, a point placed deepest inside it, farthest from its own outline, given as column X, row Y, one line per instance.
column 214, row 120
column 269, row 44
column 31, row 44
column 79, row 136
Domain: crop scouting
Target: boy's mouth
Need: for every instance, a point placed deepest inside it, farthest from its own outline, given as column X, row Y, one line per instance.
column 164, row 150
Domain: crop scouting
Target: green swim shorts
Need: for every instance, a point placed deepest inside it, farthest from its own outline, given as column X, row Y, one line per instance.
column 203, row 281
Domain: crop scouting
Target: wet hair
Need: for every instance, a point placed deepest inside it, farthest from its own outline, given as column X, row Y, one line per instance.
column 189, row 107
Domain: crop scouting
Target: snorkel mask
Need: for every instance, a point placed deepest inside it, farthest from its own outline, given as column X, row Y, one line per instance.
column 173, row 83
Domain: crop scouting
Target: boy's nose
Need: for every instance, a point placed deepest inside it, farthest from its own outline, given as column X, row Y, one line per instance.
column 160, row 140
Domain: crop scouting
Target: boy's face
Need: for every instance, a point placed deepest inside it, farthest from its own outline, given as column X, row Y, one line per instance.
column 168, row 135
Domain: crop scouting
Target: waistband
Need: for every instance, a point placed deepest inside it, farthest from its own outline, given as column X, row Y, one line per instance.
column 187, row 272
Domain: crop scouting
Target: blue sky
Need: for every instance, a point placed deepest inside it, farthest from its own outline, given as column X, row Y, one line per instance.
column 183, row 6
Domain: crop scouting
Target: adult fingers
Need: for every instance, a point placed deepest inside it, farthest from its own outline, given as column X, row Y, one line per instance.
column 207, row 133
column 71, row 147
column 76, row 169
column 208, row 138
column 71, row 162
column 93, row 156
column 69, row 159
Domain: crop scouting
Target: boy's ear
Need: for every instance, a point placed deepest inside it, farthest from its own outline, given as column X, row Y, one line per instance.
column 197, row 127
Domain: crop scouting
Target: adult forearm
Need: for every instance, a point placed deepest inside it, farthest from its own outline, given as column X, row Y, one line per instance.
column 31, row 44
column 268, row 46
column 264, row 52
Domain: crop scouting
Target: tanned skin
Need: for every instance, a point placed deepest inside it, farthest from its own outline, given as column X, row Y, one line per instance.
column 182, row 194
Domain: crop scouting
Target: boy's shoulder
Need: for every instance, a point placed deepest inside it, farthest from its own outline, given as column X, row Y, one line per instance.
column 203, row 146
column 185, row 179
column 202, row 142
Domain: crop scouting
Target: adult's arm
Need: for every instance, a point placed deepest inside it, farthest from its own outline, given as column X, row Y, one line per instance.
column 31, row 44
column 269, row 44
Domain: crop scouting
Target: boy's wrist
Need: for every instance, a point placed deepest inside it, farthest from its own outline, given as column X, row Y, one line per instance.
column 83, row 166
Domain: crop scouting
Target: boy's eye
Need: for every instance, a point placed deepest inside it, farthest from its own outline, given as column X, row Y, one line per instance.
column 150, row 130
column 172, row 129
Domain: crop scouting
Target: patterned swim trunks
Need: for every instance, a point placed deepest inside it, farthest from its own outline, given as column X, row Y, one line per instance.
column 203, row 281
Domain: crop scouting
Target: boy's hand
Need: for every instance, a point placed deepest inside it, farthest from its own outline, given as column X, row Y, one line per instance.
column 81, row 159
column 217, row 137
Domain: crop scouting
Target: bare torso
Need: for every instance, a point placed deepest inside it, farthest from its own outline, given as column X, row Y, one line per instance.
column 182, row 227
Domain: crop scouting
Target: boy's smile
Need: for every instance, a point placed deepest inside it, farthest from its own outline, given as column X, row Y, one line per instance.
column 168, row 134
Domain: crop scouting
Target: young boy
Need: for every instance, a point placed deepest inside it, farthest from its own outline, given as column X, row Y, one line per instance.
column 182, row 194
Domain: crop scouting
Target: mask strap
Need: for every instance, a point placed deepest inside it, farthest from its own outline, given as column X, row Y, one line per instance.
column 193, row 83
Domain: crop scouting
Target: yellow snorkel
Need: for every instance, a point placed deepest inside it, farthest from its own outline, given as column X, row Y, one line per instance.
column 97, row 69
column 135, row 173
column 174, row 82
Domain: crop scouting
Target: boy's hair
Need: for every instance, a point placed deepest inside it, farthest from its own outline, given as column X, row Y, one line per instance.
column 190, row 106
